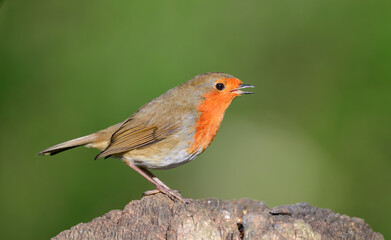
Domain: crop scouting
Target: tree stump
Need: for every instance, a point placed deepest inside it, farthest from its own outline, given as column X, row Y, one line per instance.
column 158, row 217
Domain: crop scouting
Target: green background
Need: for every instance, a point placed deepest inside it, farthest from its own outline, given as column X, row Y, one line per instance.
column 317, row 130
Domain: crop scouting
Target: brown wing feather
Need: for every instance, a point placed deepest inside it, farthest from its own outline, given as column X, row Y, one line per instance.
column 129, row 137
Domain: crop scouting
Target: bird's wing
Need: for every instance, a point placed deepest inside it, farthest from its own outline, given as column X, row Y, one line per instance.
column 130, row 136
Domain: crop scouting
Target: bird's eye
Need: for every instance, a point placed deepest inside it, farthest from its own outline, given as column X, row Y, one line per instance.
column 220, row 86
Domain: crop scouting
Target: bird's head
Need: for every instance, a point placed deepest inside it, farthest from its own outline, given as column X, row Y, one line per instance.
column 220, row 88
column 214, row 93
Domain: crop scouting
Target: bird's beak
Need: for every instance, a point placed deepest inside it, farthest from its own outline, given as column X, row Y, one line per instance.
column 241, row 86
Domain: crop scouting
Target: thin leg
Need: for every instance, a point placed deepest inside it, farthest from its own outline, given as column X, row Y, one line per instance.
column 161, row 187
column 155, row 191
column 142, row 173
column 154, row 178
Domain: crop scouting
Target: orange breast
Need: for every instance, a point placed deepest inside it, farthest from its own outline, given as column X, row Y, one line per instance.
column 212, row 110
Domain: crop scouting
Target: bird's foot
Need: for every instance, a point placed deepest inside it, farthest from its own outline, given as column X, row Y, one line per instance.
column 173, row 194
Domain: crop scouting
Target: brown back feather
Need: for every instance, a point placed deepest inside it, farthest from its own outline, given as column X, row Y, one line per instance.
column 130, row 136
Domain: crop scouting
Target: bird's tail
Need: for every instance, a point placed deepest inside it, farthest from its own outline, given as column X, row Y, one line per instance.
column 81, row 141
column 99, row 140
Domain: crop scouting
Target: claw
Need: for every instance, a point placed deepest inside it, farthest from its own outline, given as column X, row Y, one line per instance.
column 173, row 194
column 150, row 192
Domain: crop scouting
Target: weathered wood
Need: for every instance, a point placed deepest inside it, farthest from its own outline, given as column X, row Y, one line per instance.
column 158, row 217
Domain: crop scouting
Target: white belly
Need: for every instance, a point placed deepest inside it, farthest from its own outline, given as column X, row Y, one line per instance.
column 164, row 159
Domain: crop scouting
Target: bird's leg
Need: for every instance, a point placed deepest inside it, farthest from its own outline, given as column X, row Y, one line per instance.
column 154, row 177
column 160, row 186
column 175, row 193
column 155, row 191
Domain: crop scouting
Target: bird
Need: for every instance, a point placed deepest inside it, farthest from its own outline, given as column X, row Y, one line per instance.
column 168, row 131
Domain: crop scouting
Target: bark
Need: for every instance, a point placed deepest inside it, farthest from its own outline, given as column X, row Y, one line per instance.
column 158, row 217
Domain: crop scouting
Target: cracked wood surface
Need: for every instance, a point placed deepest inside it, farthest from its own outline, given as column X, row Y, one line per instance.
column 158, row 217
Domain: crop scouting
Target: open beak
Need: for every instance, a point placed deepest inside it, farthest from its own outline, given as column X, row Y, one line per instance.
column 241, row 86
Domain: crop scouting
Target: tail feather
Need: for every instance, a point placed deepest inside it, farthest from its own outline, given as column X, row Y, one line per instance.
column 69, row 144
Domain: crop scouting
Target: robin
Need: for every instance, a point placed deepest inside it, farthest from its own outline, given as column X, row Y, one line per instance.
column 168, row 131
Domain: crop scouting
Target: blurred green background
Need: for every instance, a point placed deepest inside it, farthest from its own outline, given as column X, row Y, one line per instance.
column 317, row 130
